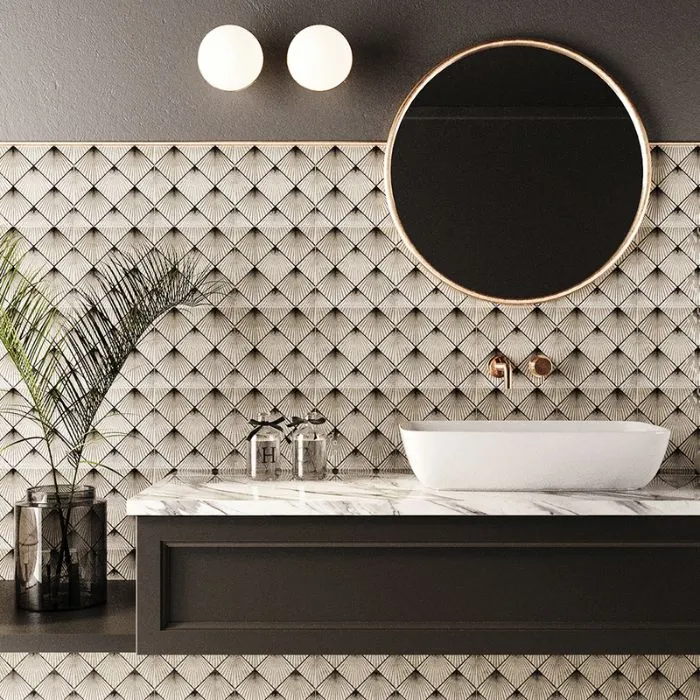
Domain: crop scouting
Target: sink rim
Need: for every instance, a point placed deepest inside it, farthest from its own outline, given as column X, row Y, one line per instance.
column 529, row 427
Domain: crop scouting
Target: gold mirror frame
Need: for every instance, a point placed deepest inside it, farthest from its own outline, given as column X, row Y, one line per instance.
column 622, row 96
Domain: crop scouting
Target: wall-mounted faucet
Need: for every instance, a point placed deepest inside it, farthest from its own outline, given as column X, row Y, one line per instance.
column 500, row 367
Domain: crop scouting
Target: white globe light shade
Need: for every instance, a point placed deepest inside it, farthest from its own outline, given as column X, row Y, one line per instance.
column 319, row 57
column 230, row 57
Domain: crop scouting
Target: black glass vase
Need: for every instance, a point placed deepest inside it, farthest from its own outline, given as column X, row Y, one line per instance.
column 60, row 549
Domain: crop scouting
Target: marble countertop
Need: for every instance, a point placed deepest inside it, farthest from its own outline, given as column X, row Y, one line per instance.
column 397, row 495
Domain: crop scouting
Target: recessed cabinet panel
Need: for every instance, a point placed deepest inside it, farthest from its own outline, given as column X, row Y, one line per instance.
column 422, row 586
column 460, row 587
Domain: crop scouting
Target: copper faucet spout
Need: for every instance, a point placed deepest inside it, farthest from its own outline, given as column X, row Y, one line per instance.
column 500, row 367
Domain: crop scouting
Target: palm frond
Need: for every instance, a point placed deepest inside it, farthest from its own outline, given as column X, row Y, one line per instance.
column 69, row 364
column 20, row 441
column 131, row 293
column 28, row 321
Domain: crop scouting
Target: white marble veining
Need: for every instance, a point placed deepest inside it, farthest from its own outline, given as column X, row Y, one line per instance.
column 398, row 495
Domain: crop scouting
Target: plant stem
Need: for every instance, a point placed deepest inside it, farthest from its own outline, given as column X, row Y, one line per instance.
column 63, row 521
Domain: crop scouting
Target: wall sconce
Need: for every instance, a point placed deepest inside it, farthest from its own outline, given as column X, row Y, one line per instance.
column 230, row 57
column 319, row 57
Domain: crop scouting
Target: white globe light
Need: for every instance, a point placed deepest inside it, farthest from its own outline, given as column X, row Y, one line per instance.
column 230, row 57
column 319, row 57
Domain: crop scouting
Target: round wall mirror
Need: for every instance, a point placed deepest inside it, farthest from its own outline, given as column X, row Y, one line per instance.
column 517, row 171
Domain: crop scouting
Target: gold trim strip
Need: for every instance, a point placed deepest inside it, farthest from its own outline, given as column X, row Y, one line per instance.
column 382, row 144
column 193, row 143
column 663, row 144
column 634, row 116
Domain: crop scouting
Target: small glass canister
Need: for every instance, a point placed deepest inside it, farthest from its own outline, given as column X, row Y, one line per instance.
column 309, row 447
column 264, row 453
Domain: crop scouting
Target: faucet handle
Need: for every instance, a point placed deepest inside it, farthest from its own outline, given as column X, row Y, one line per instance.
column 540, row 366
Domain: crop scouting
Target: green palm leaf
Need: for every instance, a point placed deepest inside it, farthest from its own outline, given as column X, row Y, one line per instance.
column 69, row 364
column 28, row 329
column 131, row 293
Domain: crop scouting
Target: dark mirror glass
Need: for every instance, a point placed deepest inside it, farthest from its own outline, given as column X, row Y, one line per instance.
column 518, row 171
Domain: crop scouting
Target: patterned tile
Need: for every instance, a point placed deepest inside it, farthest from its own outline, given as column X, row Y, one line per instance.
column 327, row 307
column 59, row 676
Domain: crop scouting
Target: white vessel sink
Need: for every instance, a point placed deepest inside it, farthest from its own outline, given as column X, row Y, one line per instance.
column 534, row 455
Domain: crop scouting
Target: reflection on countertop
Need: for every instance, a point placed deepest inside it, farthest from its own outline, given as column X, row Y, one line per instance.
column 401, row 494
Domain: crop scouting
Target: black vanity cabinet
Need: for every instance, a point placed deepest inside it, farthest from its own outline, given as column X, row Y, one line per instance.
column 338, row 584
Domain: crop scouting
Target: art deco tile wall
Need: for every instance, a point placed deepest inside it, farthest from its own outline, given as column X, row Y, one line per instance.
column 133, row 677
column 327, row 307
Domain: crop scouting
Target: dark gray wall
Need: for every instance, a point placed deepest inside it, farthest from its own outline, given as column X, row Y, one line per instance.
column 125, row 70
